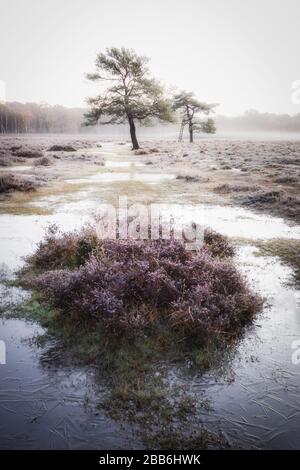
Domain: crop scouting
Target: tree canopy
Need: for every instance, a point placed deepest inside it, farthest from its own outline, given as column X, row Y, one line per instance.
column 130, row 93
column 208, row 126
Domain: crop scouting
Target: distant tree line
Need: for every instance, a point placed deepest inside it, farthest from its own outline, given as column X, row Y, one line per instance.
column 253, row 120
column 39, row 118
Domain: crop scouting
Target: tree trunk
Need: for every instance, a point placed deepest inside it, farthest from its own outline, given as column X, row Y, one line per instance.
column 135, row 144
column 189, row 116
column 191, row 132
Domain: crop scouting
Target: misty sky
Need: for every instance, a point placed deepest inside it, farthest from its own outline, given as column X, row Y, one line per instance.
column 239, row 53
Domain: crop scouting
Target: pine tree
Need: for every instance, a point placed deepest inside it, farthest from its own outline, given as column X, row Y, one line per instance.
column 191, row 107
column 131, row 94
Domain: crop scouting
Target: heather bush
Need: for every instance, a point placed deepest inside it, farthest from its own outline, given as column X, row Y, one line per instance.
column 10, row 182
column 61, row 148
column 61, row 250
column 234, row 188
column 29, row 153
column 43, row 161
column 136, row 286
column 217, row 244
column 70, row 249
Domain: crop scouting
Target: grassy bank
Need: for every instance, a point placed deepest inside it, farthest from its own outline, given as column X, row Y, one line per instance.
column 287, row 250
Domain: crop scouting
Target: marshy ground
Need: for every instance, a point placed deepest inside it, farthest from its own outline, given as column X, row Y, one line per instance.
column 242, row 396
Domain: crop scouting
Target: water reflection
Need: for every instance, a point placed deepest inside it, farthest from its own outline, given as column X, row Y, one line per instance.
column 46, row 405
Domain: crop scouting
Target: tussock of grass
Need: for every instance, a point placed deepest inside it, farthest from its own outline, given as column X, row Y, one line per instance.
column 29, row 153
column 10, row 182
column 277, row 202
column 43, row 161
column 287, row 179
column 233, row 188
column 61, row 148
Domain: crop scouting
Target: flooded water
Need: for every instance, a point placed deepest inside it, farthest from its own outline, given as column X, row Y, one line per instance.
column 15, row 168
column 151, row 178
column 44, row 404
column 259, row 406
column 239, row 222
column 122, row 164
